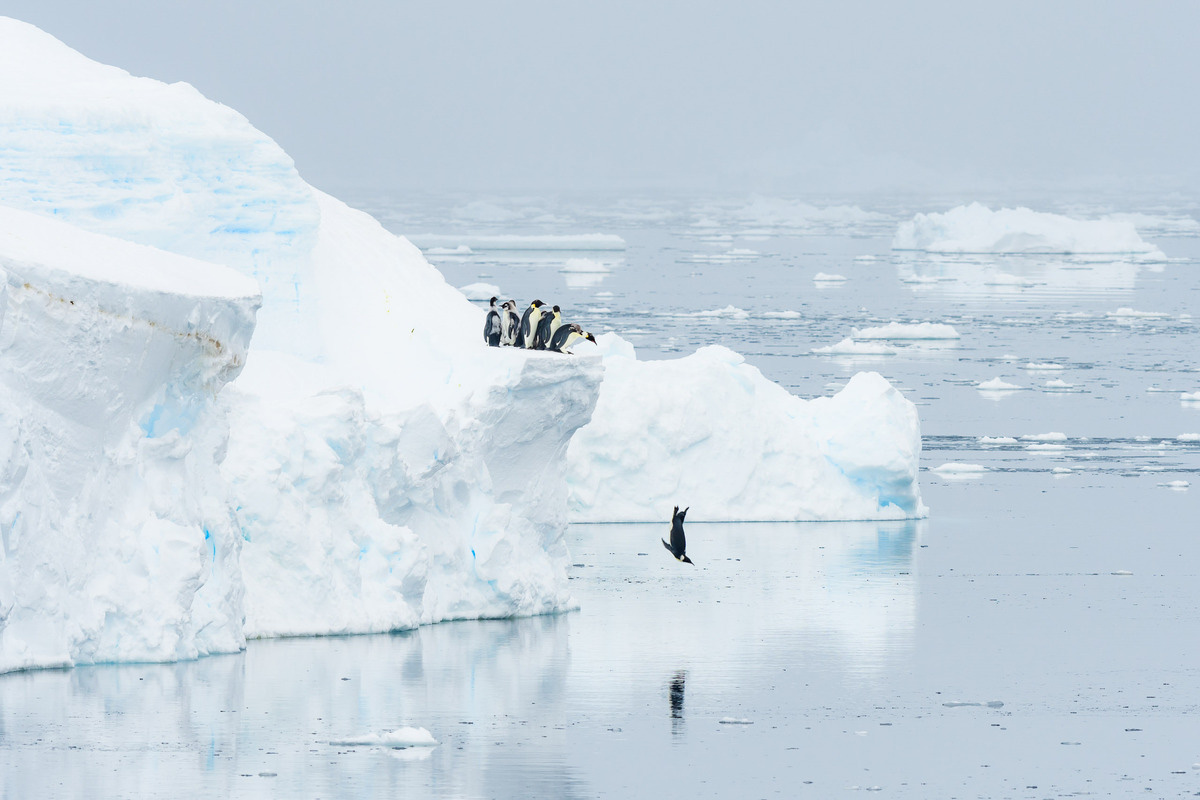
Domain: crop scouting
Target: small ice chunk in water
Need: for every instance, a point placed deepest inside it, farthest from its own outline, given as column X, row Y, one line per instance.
column 849, row 347
column 997, row 385
column 1177, row 485
column 735, row 721
column 1058, row 385
column 824, row 277
column 401, row 737
column 1190, row 397
column 1061, row 470
column 1053, row 436
column 1188, row 437
column 480, row 291
column 953, row 468
column 997, row 440
column 1044, row 366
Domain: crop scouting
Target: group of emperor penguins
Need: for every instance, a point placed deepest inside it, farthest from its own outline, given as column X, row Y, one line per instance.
column 539, row 328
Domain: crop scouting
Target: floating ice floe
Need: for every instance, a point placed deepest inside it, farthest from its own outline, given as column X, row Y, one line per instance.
column 998, row 385
column 1058, row 385
column 480, row 291
column 1053, row 436
column 866, row 258
column 1177, row 485
column 1035, row 366
column 958, row 468
column 1129, row 313
column 461, row 250
column 978, row 229
column 780, row 314
column 508, row 241
column 1062, row 470
column 1188, row 437
column 1189, row 397
column 849, row 347
column 735, row 721
column 823, row 277
column 906, row 330
column 401, row 737
column 996, row 440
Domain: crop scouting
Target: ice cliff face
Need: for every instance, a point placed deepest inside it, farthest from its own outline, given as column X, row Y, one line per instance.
column 118, row 533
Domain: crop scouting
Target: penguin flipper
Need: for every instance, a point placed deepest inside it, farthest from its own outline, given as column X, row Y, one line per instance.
column 669, row 550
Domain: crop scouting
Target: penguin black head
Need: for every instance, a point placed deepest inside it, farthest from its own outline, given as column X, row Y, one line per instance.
column 493, row 303
column 556, row 309
column 590, row 338
column 537, row 304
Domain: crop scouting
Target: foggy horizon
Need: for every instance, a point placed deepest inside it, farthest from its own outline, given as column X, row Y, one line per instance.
column 537, row 98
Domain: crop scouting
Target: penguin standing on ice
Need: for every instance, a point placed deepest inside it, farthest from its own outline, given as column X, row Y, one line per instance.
column 678, row 544
column 567, row 336
column 529, row 323
column 547, row 325
column 509, row 323
column 492, row 325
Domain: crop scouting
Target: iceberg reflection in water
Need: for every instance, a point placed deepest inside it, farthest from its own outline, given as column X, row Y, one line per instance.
column 525, row 707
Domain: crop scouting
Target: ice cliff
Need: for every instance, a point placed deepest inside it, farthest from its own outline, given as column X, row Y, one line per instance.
column 978, row 229
column 168, row 489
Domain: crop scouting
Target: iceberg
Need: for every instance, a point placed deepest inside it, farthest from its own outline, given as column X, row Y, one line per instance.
column 710, row 431
column 233, row 407
column 978, row 229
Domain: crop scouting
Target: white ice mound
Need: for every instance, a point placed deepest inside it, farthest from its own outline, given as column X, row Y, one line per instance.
column 376, row 466
column 710, row 432
column 978, row 229
column 119, row 541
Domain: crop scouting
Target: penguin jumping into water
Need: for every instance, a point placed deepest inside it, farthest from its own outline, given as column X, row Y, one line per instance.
column 510, row 323
column 492, row 327
column 678, row 543
column 550, row 322
column 529, row 323
column 567, row 336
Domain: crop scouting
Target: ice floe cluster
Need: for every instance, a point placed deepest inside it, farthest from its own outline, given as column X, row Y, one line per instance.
column 179, row 473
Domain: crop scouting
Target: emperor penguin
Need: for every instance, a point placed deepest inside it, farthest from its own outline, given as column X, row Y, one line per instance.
column 509, row 323
column 529, row 323
column 492, row 325
column 567, row 336
column 546, row 328
column 678, row 544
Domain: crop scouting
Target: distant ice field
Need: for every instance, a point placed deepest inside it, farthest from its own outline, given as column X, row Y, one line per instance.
column 1113, row 324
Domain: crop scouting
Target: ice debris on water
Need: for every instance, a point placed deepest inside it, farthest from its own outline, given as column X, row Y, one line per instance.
column 401, row 737
column 735, row 721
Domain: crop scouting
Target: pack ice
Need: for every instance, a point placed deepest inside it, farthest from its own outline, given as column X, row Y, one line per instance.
column 978, row 229
column 168, row 490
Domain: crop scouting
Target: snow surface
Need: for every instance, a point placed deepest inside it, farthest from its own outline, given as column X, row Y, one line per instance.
column 374, row 465
column 978, row 229
column 711, row 432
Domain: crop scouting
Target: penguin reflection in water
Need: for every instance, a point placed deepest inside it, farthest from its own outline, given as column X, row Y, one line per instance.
column 678, row 543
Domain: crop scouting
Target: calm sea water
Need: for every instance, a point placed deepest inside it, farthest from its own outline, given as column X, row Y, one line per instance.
column 1038, row 635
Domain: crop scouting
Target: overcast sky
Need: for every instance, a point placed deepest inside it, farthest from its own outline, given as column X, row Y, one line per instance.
column 833, row 97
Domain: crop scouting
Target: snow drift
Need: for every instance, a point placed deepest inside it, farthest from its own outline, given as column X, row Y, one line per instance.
column 711, row 432
column 978, row 229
